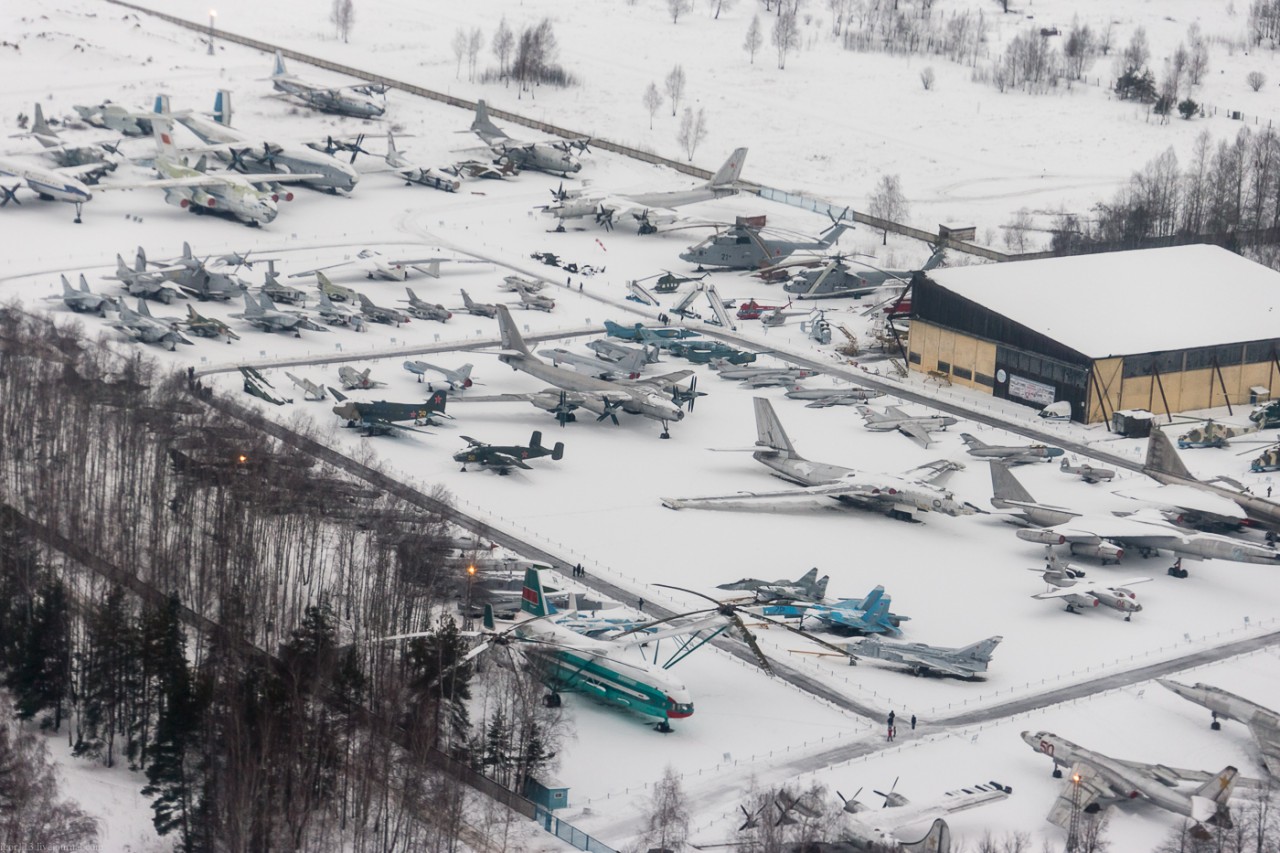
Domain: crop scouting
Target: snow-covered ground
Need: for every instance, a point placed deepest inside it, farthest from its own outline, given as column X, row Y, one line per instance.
column 967, row 155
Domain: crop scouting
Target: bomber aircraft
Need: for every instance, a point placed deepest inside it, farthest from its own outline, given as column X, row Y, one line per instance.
column 502, row 458
column 1263, row 723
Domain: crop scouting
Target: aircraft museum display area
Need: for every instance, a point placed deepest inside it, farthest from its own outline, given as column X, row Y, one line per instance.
column 380, row 473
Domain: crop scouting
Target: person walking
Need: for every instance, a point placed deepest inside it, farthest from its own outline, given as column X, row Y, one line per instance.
column 913, row 722
column 640, row 606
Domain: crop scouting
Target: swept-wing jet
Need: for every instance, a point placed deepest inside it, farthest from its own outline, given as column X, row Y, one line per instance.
column 914, row 427
column 1087, row 472
column 520, row 284
column 280, row 292
column 479, row 309
column 390, row 316
column 195, row 277
column 1263, row 723
column 208, row 327
column 1098, row 781
column 885, row 828
column 503, row 458
column 337, row 315
column 457, row 380
column 115, row 117
column 48, row 184
column 242, row 152
column 745, row 246
column 83, row 301
column 1165, row 466
column 760, row 377
column 310, row 390
column 425, row 310
column 596, row 394
column 822, row 398
column 868, row 615
column 645, row 210
column 143, row 282
column 1010, row 454
column 143, row 327
column 1106, row 537
column 353, row 379
column 382, row 417
column 336, row 292
column 835, row 278
column 965, row 662
column 807, row 587
column 645, row 334
column 377, row 265
column 899, row 497
column 535, row 301
column 413, row 173
column 264, row 314
column 607, row 350
column 555, row 156
column 344, row 100
column 629, row 368
column 65, row 155
column 1068, row 584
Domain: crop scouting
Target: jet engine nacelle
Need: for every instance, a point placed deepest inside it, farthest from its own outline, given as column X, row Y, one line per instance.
column 178, row 197
column 1041, row 537
column 1227, row 549
column 1105, row 551
column 203, row 199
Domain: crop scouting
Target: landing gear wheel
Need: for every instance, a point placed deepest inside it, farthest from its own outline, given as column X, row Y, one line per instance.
column 1216, row 726
column 664, row 727
column 1057, row 773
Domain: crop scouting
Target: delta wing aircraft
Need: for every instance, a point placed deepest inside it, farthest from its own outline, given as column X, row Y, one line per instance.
column 899, row 497
column 353, row 379
column 310, row 390
column 554, row 156
column 645, row 210
column 1263, row 723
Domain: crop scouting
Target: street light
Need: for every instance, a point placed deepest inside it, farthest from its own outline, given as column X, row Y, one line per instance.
column 213, row 16
column 466, row 618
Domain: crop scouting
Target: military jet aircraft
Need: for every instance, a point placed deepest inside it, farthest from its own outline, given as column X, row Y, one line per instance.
column 208, row 327
column 336, row 292
column 378, row 314
column 835, row 278
column 195, row 277
column 520, row 284
column 1087, row 472
column 607, row 350
column 479, row 309
column 280, row 292
column 412, row 173
column 535, row 301
column 1165, row 466
column 240, row 151
column 555, row 156
column 807, row 587
column 965, row 662
column 868, row 615
column 745, row 246
column 1105, row 537
column 310, row 390
column 1067, row 583
column 143, row 327
column 629, row 368
column 1263, row 723
column 337, row 315
column 822, row 398
column 457, row 380
column 83, row 301
column 644, row 210
column 94, row 155
column 377, row 265
column 140, row 281
column 914, row 427
column 503, row 458
column 1017, row 454
column 899, row 497
column 760, row 377
column 353, row 379
column 381, row 418
column 112, row 116
column 1098, row 781
column 351, row 100
column 264, row 314
column 424, row 310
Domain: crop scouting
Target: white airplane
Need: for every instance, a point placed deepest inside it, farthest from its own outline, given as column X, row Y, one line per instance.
column 1069, row 585
column 899, row 497
column 62, row 184
column 645, row 210
column 377, row 265
column 886, row 827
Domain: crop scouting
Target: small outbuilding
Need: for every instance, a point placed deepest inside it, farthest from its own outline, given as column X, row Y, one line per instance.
column 1163, row 330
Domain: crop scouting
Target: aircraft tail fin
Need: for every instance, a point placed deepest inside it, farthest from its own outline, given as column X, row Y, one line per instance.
column 983, row 649
column 84, row 284
column 413, row 297
column 466, row 300
column 972, row 442
column 488, row 621
column 40, row 127
column 1005, row 486
column 142, row 307
column 939, row 253
column 870, row 415
column 252, row 307
column 162, row 130
column 1162, row 458
column 728, row 174
column 482, row 125
column 874, row 600
column 66, row 287
column 464, row 373
column 511, row 339
column 808, row 578
column 769, row 431
column 820, row 588
column 557, row 452
column 140, row 260
column 535, row 440
column 1209, row 801
column 122, row 269
column 279, row 70
column 936, row 840
column 832, row 235
column 222, row 107
column 532, row 599
column 632, row 363
column 394, row 158
column 161, row 106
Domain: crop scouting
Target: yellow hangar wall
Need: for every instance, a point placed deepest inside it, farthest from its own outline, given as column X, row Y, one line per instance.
column 944, row 350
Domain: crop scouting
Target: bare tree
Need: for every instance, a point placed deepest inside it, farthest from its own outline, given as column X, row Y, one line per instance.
column 668, row 813
column 1198, row 61
column 504, row 41
column 1015, row 231
column 1078, row 47
column 927, row 77
column 720, row 6
column 677, row 8
column 888, row 202
column 785, row 35
column 693, row 129
column 754, row 39
column 1137, row 53
column 675, row 87
column 475, row 40
column 1256, row 80
column 460, row 42
column 652, row 101
column 1107, row 40
column 343, row 15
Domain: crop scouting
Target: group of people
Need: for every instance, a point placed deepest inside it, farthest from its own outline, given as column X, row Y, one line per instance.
column 893, row 724
column 579, row 572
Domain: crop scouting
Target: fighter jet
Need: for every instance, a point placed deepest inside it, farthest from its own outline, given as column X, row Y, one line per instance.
column 644, row 210
column 899, row 497
column 83, row 301
column 535, row 301
column 143, row 327
column 745, row 247
column 914, row 427
column 1263, row 723
column 353, row 379
column 868, row 615
column 336, row 292
column 1015, row 454
column 555, row 156
column 607, row 350
column 457, row 380
column 965, row 662
column 143, row 282
column 377, row 314
column 424, row 310
column 377, row 265
column 310, row 390
column 822, row 398
column 337, row 315
column 344, row 100
column 94, row 155
column 1087, row 472
column 479, row 309
column 1098, row 781
column 760, row 377
column 520, row 284
column 807, row 587
column 280, row 292
column 503, row 459
column 195, row 277
column 263, row 313
column 412, row 173
column 208, row 327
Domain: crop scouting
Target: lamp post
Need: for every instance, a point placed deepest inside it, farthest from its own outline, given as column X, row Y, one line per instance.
column 213, row 16
column 466, row 618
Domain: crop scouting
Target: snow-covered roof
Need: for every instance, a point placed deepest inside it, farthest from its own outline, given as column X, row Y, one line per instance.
column 1119, row 303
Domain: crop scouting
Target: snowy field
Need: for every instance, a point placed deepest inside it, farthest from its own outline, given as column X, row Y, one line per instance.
column 959, row 579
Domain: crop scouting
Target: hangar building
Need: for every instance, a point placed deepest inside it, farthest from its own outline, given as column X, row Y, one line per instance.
column 1167, row 330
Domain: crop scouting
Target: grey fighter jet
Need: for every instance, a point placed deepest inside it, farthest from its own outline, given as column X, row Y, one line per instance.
column 914, row 427
column 378, row 314
column 83, row 301
column 353, row 379
column 264, row 314
column 143, row 327
column 1087, row 472
column 1010, row 454
column 631, row 367
column 1263, row 723
column 425, row 310
column 965, row 662
column 807, row 587
column 479, row 309
column 822, row 398
column 457, row 380
column 143, row 282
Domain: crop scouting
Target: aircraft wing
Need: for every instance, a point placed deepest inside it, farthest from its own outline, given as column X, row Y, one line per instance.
column 83, row 170
column 1087, row 588
column 1266, row 734
column 1138, row 533
column 1093, row 787
column 1188, row 498
column 659, row 381
column 855, row 491
column 895, row 412
column 936, row 472
column 514, row 461
column 915, row 432
column 212, row 180
column 936, row 663
column 889, row 823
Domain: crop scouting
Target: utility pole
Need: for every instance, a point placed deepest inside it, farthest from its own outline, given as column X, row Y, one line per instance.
column 1073, row 829
column 213, row 16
